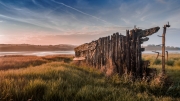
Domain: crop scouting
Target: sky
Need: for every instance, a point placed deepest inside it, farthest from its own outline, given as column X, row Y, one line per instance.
column 50, row 22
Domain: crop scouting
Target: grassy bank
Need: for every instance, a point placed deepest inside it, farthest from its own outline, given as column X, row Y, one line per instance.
column 60, row 81
column 20, row 61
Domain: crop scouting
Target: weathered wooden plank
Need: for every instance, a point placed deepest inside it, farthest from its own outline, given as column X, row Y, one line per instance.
column 138, row 61
column 121, row 53
column 128, row 51
column 108, row 46
column 116, row 41
column 99, row 53
column 133, row 59
column 124, row 55
column 103, row 51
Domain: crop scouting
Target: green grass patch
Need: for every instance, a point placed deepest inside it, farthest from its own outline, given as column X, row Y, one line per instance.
column 59, row 81
column 170, row 62
column 157, row 62
column 63, row 81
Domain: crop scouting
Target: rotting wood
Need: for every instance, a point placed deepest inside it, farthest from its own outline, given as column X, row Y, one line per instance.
column 117, row 53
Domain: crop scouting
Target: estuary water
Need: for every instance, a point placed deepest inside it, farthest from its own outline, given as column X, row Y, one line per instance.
column 45, row 53
column 170, row 51
column 37, row 53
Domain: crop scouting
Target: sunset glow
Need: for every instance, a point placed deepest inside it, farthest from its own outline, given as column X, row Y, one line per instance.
column 76, row 22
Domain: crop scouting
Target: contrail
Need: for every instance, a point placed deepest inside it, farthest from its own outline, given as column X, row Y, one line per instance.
column 83, row 12
column 34, row 1
column 24, row 21
column 9, row 7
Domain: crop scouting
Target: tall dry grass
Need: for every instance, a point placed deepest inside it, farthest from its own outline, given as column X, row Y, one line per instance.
column 172, row 59
column 172, row 68
column 20, row 61
column 60, row 81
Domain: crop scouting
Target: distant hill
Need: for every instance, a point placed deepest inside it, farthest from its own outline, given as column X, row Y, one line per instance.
column 62, row 47
column 28, row 47
column 155, row 47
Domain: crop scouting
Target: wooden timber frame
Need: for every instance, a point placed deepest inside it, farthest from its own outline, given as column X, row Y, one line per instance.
column 117, row 53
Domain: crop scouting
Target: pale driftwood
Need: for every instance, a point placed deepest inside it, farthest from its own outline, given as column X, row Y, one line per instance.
column 79, row 58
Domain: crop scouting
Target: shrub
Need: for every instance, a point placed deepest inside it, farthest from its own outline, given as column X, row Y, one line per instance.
column 157, row 62
column 170, row 63
column 174, row 90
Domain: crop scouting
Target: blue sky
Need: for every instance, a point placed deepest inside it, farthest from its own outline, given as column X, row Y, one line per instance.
column 80, row 21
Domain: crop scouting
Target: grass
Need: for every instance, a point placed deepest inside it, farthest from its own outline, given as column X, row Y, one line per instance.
column 59, row 80
column 170, row 62
column 157, row 62
column 20, row 61
column 172, row 65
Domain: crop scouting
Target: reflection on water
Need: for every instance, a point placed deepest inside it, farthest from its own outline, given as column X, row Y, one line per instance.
column 37, row 53
column 150, row 52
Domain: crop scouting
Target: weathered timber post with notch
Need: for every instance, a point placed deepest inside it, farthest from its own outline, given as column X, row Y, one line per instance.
column 163, row 47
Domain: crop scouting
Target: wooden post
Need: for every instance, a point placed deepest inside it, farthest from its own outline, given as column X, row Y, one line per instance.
column 112, row 46
column 103, row 52
column 127, row 51
column 99, row 53
column 120, row 56
column 108, row 46
column 124, row 55
column 133, row 56
column 138, row 58
column 163, row 50
column 163, row 47
column 167, row 55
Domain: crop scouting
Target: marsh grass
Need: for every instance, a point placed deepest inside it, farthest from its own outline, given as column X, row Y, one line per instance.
column 172, row 65
column 170, row 62
column 20, row 61
column 177, row 63
column 157, row 62
column 62, row 81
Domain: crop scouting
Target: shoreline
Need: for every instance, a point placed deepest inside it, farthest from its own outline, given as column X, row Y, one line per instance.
column 36, row 53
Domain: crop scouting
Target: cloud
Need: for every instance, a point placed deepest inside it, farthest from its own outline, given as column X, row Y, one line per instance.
column 161, row 1
column 126, row 21
column 83, row 21
column 84, row 13
column 30, row 21
column 9, row 6
column 143, row 18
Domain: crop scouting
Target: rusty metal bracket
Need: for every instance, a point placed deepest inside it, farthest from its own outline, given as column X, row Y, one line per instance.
column 157, row 54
